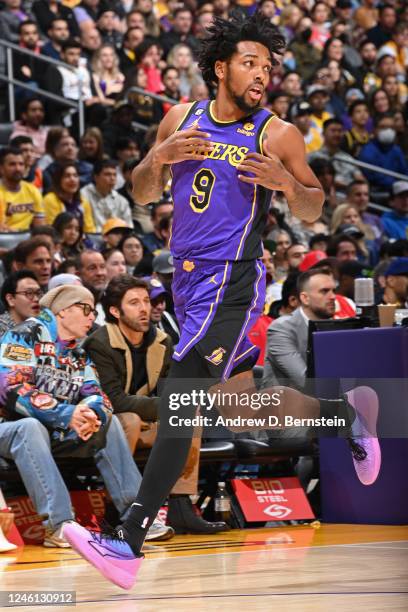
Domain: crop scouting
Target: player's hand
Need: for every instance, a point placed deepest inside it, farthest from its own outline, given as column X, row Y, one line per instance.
column 191, row 144
column 266, row 171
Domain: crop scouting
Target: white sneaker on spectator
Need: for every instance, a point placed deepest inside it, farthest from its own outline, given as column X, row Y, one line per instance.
column 159, row 531
column 54, row 537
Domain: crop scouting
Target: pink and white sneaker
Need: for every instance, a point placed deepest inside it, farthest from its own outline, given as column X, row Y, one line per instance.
column 110, row 554
column 363, row 440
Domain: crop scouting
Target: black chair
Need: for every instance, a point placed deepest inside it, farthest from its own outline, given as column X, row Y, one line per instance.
column 6, row 130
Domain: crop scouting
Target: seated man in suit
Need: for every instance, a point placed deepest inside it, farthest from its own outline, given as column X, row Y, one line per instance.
column 285, row 358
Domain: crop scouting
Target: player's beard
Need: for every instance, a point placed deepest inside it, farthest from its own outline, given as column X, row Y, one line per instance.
column 239, row 100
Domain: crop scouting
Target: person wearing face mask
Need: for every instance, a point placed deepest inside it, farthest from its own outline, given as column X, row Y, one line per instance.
column 382, row 151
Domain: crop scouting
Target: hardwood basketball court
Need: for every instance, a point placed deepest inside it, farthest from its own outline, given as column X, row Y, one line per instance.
column 285, row 568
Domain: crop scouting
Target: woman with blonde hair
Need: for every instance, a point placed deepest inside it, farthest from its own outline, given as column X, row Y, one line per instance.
column 91, row 145
column 290, row 18
column 181, row 57
column 347, row 214
column 107, row 77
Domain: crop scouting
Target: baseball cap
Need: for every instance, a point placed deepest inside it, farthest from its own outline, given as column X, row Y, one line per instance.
column 399, row 187
column 397, row 267
column 163, row 262
column 355, row 269
column 350, row 230
column 344, row 4
column 316, row 88
column 156, row 288
column 300, row 108
column 311, row 259
column 115, row 224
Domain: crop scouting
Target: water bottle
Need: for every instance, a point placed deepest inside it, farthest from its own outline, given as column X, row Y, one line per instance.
column 222, row 504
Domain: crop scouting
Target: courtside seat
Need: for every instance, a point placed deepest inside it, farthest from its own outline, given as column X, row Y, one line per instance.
column 217, row 450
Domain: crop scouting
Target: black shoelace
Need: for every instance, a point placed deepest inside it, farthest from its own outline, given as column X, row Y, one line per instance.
column 358, row 452
column 107, row 532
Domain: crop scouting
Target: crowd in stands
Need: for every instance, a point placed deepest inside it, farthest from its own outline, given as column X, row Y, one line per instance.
column 68, row 217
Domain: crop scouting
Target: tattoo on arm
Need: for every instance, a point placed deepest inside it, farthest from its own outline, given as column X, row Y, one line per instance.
column 149, row 180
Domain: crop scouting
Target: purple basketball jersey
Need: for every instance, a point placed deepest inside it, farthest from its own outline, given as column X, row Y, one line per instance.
column 217, row 217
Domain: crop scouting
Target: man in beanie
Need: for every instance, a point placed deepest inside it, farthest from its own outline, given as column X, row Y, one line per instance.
column 49, row 388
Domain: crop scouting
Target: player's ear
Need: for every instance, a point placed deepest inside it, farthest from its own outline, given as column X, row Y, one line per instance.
column 219, row 69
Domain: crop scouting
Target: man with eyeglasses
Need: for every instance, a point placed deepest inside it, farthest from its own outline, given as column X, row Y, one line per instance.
column 53, row 406
column 20, row 295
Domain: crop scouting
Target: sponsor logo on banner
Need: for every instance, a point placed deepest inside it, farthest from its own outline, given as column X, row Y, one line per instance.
column 272, row 499
column 88, row 506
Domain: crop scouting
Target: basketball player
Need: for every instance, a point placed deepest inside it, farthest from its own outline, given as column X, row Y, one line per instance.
column 225, row 157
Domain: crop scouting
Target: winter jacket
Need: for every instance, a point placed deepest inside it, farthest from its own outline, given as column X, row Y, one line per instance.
column 111, row 354
column 46, row 378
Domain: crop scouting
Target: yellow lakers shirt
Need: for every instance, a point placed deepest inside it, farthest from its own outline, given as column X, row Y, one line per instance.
column 18, row 209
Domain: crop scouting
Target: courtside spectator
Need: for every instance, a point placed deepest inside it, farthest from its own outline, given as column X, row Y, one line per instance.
column 20, row 295
column 131, row 344
column 62, row 392
column 285, row 358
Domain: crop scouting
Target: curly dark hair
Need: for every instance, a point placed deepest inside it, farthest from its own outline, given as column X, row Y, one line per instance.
column 223, row 37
